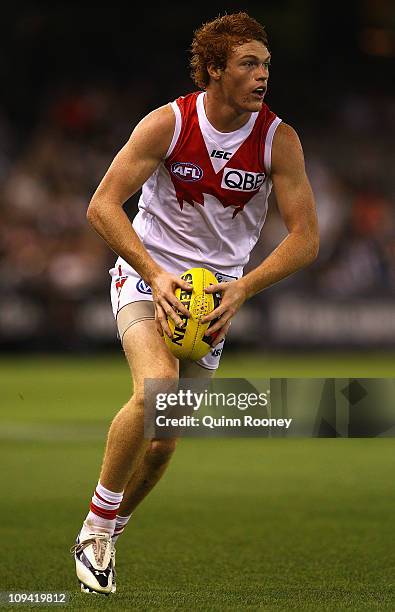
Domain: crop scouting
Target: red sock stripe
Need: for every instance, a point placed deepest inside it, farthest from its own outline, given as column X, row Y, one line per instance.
column 107, row 514
column 106, row 500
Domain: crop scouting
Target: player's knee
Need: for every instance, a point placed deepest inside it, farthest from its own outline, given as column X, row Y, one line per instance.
column 136, row 402
column 160, row 451
column 135, row 406
column 144, row 394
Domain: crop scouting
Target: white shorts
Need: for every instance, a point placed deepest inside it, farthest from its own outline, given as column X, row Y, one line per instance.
column 127, row 287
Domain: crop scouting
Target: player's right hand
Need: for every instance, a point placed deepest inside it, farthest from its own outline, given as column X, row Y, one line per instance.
column 163, row 287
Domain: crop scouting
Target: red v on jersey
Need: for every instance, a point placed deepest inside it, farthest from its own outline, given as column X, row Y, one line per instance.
column 191, row 168
column 206, row 202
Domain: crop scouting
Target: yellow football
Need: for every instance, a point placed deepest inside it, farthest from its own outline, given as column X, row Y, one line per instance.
column 190, row 341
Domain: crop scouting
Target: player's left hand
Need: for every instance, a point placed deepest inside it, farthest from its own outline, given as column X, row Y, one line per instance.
column 233, row 297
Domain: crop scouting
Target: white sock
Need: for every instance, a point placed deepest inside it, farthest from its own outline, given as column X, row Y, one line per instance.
column 120, row 524
column 103, row 510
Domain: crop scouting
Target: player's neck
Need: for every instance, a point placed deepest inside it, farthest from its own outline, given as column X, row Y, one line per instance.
column 221, row 115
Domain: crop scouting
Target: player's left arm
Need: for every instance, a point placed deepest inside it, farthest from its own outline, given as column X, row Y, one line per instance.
column 299, row 248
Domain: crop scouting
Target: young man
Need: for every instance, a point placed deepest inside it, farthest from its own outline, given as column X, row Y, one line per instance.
column 206, row 163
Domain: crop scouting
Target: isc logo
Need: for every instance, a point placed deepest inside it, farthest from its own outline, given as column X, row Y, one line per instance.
column 220, row 154
column 187, row 171
column 240, row 180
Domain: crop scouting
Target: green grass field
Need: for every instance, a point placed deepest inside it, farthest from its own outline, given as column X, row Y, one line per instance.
column 236, row 524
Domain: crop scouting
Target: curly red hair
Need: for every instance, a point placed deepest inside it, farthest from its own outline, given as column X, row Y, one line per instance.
column 214, row 41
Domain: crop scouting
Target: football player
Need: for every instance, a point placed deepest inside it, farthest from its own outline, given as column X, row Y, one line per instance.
column 206, row 164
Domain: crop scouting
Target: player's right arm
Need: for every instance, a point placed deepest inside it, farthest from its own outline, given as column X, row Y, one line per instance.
column 131, row 167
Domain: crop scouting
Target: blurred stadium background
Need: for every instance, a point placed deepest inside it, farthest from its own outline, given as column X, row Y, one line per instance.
column 236, row 524
column 77, row 81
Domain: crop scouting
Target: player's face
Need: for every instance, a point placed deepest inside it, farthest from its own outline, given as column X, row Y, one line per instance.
column 244, row 80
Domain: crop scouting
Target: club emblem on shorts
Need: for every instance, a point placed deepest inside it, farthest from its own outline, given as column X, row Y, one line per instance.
column 186, row 171
column 120, row 281
column 143, row 287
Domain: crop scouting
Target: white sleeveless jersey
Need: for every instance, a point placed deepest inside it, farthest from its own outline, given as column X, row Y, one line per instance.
column 206, row 203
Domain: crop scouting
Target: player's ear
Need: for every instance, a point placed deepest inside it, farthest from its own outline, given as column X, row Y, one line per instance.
column 214, row 71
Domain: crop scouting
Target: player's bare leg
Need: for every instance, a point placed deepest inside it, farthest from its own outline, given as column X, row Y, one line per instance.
column 148, row 357
column 157, row 455
column 151, row 469
column 126, row 449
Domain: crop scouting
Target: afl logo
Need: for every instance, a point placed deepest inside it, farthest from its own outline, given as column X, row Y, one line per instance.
column 187, row 171
column 143, row 287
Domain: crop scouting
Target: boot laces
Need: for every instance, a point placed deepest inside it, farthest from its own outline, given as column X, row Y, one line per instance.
column 99, row 544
